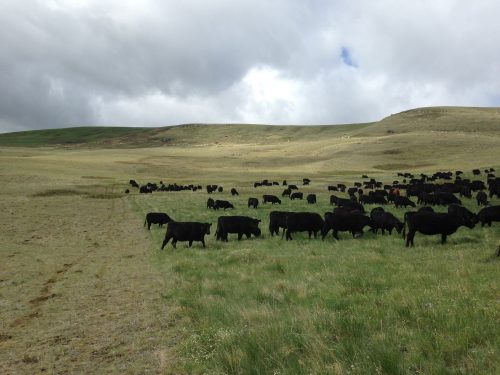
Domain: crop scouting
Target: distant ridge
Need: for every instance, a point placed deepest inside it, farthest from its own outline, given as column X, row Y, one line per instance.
column 418, row 121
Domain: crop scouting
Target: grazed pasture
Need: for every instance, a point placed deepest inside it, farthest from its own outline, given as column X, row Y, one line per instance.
column 85, row 289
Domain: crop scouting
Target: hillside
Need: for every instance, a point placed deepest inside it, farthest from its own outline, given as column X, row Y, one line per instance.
column 419, row 139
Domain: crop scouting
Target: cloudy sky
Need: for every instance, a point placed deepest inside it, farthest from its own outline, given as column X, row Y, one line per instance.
column 160, row 62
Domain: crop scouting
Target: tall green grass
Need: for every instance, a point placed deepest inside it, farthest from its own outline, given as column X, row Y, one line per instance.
column 366, row 305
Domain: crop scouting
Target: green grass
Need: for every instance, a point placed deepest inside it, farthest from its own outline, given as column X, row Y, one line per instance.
column 67, row 136
column 365, row 305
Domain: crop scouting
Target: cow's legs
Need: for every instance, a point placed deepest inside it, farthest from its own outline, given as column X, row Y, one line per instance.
column 203, row 242
column 174, row 243
column 240, row 235
column 443, row 238
column 165, row 241
column 190, row 243
column 335, row 234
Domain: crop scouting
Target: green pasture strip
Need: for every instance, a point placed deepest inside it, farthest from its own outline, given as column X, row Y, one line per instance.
column 66, row 136
column 365, row 305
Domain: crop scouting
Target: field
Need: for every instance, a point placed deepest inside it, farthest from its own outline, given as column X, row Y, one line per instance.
column 84, row 287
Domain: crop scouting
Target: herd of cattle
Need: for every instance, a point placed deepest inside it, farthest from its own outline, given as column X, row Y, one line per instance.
column 439, row 189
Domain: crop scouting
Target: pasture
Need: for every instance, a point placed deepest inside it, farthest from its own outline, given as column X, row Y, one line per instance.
column 84, row 287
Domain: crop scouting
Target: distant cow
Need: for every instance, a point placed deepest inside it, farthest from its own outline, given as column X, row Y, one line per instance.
column 241, row 225
column 253, row 202
column 353, row 222
column 222, row 204
column 159, row 218
column 220, row 189
column 234, row 192
column 489, row 214
column 385, row 221
column 277, row 220
column 293, row 187
column 476, row 172
column 482, row 198
column 296, row 195
column 311, row 198
column 403, row 201
column 306, row 181
column 134, row 183
column 271, row 199
column 310, row 222
column 432, row 223
column 211, row 203
column 186, row 231
column 332, row 188
column 145, row 189
column 286, row 193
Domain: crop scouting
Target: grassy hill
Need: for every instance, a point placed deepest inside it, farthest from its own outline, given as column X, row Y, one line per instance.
column 424, row 138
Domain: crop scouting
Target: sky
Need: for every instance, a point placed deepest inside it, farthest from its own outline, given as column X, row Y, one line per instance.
column 165, row 62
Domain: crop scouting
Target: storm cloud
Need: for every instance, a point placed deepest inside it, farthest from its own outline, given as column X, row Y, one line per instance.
column 149, row 63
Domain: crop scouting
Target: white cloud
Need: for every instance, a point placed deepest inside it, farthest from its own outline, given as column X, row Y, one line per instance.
column 155, row 62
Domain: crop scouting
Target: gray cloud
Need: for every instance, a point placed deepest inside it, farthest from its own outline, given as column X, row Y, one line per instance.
column 111, row 62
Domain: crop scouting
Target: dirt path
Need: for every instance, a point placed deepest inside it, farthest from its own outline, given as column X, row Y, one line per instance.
column 78, row 289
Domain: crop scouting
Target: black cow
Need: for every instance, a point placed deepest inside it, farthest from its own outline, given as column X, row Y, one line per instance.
column 286, row 193
column 306, row 181
column 271, row 199
column 293, row 187
column 134, row 183
column 222, row 204
column 211, row 203
column 253, row 202
column 257, row 184
column 403, row 201
column 465, row 191
column 476, row 172
column 311, row 198
column 410, row 213
column 445, row 198
column 430, row 223
column 127, row 191
column 241, row 225
column 353, row 222
column 186, row 231
column 234, row 192
column 145, row 189
column 277, row 220
column 310, row 222
column 220, row 189
column 284, row 183
column 494, row 187
column 385, row 221
column 482, row 198
column 332, row 188
column 488, row 215
column 297, row 195
column 159, row 218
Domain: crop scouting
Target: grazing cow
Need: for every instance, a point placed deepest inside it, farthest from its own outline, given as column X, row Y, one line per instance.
column 482, row 198
column 306, row 181
column 494, row 187
column 253, row 202
column 403, row 201
column 159, row 218
column 134, row 183
column 276, row 183
column 145, row 189
column 242, row 225
column 277, row 220
column 385, row 221
column 211, row 203
column 445, row 198
column 310, row 222
column 257, row 184
column 430, row 223
column 311, row 198
column 332, row 188
column 186, row 231
column 353, row 222
column 222, row 204
column 220, row 189
column 271, row 199
column 234, row 192
column 284, row 183
column 297, row 195
column 286, row 193
column 465, row 191
column 456, row 209
column 410, row 213
column 293, row 187
column 476, row 172
column 488, row 215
